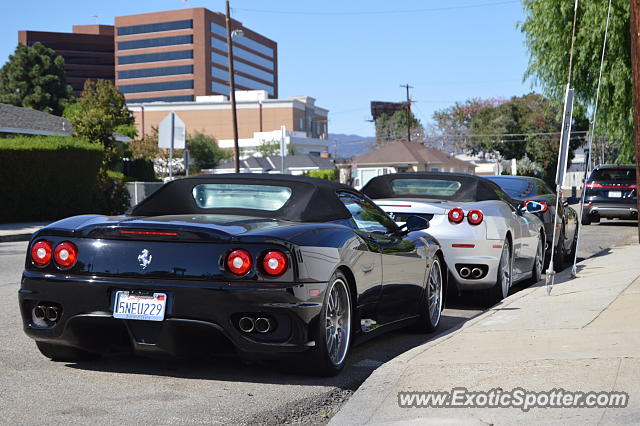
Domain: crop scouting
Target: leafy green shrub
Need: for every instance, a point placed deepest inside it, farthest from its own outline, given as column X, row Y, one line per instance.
column 141, row 170
column 45, row 178
column 112, row 197
column 330, row 174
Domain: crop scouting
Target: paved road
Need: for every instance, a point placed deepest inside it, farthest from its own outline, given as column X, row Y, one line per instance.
column 223, row 391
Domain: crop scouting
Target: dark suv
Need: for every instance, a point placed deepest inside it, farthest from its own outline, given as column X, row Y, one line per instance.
column 611, row 192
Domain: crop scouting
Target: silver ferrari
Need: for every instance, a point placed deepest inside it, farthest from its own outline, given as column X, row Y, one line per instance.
column 489, row 240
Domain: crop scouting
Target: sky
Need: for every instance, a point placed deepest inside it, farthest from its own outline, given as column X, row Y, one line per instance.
column 345, row 53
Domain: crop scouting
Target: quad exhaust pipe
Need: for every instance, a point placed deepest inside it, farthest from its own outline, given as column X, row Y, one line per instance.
column 465, row 272
column 49, row 313
column 246, row 324
column 476, row 272
column 259, row 325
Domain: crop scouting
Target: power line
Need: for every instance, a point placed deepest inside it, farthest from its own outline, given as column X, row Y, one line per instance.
column 511, row 134
column 379, row 12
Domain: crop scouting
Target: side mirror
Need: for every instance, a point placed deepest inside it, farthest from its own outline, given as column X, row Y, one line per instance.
column 531, row 206
column 415, row 223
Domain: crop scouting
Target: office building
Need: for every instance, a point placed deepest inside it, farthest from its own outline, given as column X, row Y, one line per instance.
column 87, row 52
column 260, row 120
column 177, row 55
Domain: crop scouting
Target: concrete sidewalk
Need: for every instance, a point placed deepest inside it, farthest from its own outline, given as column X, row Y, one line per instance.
column 584, row 337
column 19, row 231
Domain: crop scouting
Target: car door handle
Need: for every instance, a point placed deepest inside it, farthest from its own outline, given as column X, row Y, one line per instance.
column 367, row 268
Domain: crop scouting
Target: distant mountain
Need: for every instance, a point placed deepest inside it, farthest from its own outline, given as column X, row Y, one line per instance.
column 346, row 146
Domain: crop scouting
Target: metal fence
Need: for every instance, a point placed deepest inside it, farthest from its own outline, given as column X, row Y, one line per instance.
column 141, row 190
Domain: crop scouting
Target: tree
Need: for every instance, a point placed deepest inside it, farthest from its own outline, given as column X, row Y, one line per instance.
column 454, row 122
column 269, row 148
column 33, row 77
column 390, row 129
column 205, row 152
column 547, row 30
column 99, row 112
column 527, row 118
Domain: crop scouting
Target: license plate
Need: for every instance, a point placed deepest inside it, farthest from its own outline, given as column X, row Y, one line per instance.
column 136, row 306
column 615, row 194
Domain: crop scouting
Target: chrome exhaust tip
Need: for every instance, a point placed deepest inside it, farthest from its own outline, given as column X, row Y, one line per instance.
column 52, row 313
column 263, row 325
column 465, row 272
column 246, row 324
column 476, row 272
column 39, row 312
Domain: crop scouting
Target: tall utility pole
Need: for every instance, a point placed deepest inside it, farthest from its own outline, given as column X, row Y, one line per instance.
column 408, row 110
column 232, row 89
column 635, row 71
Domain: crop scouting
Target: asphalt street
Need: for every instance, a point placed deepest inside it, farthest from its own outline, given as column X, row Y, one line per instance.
column 128, row 390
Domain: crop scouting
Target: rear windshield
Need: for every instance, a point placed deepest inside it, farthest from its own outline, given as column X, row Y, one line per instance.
column 240, row 196
column 432, row 188
column 621, row 174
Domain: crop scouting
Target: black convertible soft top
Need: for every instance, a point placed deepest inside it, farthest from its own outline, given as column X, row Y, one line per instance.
column 472, row 188
column 312, row 199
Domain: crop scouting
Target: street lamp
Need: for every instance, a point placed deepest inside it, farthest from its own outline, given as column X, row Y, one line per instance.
column 232, row 87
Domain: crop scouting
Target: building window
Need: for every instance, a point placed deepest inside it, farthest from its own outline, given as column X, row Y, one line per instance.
column 220, row 88
column 185, row 98
column 241, row 53
column 219, row 59
column 245, row 41
column 156, row 72
column 155, row 42
column 157, row 87
column 434, row 169
column 154, row 28
column 155, row 57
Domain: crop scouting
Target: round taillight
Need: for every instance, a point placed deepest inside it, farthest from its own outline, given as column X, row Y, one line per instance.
column 475, row 217
column 456, row 215
column 41, row 253
column 274, row 263
column 65, row 254
column 239, row 262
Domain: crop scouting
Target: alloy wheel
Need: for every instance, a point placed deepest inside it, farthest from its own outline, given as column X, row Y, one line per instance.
column 505, row 270
column 338, row 322
column 434, row 294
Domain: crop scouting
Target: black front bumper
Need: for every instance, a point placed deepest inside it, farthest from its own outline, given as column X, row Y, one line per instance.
column 199, row 315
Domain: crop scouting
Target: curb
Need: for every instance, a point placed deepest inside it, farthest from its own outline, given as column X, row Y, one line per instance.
column 15, row 237
column 389, row 373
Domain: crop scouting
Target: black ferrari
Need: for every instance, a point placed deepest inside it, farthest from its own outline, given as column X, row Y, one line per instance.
column 264, row 265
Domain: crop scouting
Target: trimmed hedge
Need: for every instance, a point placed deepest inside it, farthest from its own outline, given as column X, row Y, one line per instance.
column 47, row 177
column 328, row 174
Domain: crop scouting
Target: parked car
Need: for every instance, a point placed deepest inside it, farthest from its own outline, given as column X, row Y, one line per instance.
column 489, row 240
column 276, row 265
column 611, row 193
column 525, row 188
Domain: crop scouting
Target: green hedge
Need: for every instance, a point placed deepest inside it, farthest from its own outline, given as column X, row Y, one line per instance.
column 328, row 174
column 47, row 177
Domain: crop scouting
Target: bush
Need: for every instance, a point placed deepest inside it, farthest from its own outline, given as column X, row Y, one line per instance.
column 112, row 197
column 45, row 178
column 141, row 170
column 330, row 174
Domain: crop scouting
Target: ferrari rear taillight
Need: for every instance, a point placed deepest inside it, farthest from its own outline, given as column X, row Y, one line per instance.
column 456, row 215
column 65, row 254
column 544, row 204
column 239, row 262
column 41, row 253
column 274, row 263
column 475, row 217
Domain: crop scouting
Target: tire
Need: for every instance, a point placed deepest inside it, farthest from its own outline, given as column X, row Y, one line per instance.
column 574, row 245
column 64, row 353
column 538, row 262
column 432, row 300
column 504, row 279
column 585, row 220
column 333, row 332
column 560, row 254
